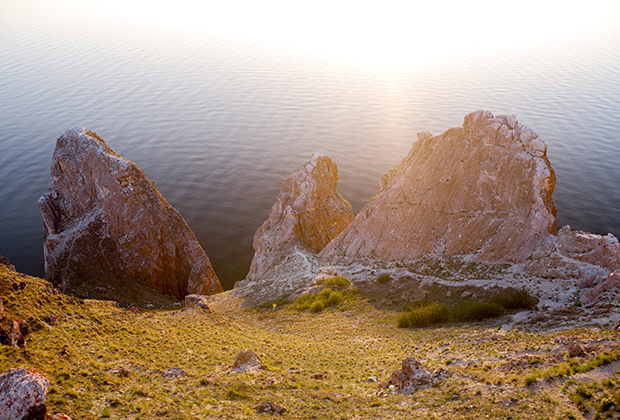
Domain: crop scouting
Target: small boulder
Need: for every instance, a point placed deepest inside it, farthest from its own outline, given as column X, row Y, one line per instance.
column 575, row 350
column 199, row 301
column 19, row 331
column 60, row 416
column 174, row 373
column 413, row 375
column 265, row 407
column 22, row 394
column 247, row 360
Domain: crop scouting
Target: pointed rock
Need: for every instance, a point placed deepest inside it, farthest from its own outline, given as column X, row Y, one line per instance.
column 105, row 222
column 483, row 189
column 307, row 215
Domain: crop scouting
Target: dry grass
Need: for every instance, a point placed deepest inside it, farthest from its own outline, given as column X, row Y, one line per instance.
column 351, row 348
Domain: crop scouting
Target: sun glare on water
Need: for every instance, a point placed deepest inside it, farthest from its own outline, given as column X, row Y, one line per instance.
column 376, row 33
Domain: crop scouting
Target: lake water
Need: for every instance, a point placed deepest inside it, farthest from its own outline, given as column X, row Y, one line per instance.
column 218, row 104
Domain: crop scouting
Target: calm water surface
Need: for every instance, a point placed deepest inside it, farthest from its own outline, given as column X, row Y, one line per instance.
column 218, row 106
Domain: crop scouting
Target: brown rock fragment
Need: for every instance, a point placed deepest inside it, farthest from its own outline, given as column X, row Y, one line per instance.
column 575, row 350
column 269, row 406
column 247, row 360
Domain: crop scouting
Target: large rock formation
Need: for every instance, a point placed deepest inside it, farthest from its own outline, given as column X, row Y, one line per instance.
column 106, row 223
column 307, row 215
column 483, row 189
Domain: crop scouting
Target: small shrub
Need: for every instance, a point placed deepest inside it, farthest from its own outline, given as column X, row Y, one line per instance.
column 384, row 278
column 583, row 392
column 472, row 310
column 530, row 380
column 106, row 413
column 317, row 306
column 512, row 298
column 334, row 298
column 605, row 403
column 425, row 316
column 337, row 281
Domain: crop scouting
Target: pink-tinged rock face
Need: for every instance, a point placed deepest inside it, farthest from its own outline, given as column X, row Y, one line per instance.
column 105, row 222
column 307, row 215
column 23, row 392
column 483, row 189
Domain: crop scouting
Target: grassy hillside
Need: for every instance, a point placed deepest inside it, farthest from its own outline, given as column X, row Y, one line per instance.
column 104, row 361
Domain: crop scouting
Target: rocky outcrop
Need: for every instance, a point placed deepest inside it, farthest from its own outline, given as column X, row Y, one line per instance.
column 413, row 375
column 23, row 393
column 483, row 189
column 106, row 223
column 307, row 215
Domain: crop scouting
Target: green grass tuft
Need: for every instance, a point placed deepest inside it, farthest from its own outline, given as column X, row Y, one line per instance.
column 433, row 314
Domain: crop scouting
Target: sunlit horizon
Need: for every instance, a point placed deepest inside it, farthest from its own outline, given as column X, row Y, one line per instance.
column 392, row 33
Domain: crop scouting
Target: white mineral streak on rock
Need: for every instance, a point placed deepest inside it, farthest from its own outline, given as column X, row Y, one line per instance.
column 105, row 222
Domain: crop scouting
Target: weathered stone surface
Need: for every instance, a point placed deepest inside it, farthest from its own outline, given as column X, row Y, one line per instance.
column 105, row 222
column 307, row 215
column 197, row 300
column 23, row 393
column 483, row 189
column 604, row 293
column 412, row 375
column 4, row 261
column 603, row 251
column 247, row 360
column 270, row 406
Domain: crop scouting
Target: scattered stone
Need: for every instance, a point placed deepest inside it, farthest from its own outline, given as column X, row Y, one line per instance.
column 4, row 261
column 19, row 331
column 199, row 301
column 575, row 350
column 308, row 214
column 133, row 310
column 174, row 373
column 413, row 375
column 121, row 372
column 22, row 394
column 60, row 416
column 105, row 223
column 265, row 407
column 51, row 320
column 19, row 286
column 247, row 360
column 317, row 376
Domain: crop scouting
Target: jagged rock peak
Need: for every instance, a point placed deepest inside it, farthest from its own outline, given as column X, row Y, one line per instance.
column 308, row 213
column 483, row 189
column 106, row 223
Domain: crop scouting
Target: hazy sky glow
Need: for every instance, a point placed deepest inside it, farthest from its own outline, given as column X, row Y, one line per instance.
column 376, row 33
